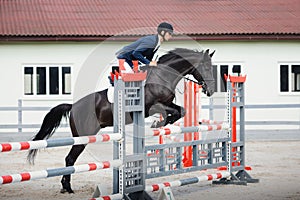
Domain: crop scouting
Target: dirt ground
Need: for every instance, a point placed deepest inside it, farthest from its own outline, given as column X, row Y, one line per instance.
column 275, row 163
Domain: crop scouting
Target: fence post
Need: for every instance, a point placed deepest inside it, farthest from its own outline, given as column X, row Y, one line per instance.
column 19, row 115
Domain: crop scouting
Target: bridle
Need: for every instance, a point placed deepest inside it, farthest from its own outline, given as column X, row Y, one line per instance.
column 201, row 83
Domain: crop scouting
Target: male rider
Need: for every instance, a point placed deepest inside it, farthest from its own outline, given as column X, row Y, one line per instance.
column 144, row 48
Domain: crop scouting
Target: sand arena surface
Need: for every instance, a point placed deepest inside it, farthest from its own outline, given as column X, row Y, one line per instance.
column 275, row 163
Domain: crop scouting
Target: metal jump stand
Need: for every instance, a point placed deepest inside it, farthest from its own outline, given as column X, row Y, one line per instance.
column 236, row 157
column 129, row 179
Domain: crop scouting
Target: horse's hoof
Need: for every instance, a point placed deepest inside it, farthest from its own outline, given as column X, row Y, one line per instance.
column 157, row 124
column 154, row 124
column 64, row 190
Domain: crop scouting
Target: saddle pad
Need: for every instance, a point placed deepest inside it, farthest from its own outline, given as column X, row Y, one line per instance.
column 110, row 94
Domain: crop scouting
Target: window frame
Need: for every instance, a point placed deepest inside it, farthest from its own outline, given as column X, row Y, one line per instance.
column 34, row 81
column 230, row 66
column 290, row 81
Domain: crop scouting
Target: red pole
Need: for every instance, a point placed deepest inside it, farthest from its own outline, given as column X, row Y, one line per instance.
column 135, row 66
column 234, row 122
column 121, row 65
column 161, row 138
column 185, row 119
column 233, row 115
column 188, row 122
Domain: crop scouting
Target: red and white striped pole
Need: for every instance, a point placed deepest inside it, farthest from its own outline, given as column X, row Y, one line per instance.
column 57, row 142
column 26, row 176
column 109, row 197
column 182, row 182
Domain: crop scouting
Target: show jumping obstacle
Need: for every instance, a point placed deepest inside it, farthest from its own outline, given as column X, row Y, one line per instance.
column 130, row 179
column 132, row 169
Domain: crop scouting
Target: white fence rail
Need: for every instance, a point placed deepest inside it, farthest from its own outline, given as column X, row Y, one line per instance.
column 20, row 109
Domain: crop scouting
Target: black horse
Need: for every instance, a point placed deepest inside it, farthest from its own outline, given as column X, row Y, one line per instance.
column 93, row 112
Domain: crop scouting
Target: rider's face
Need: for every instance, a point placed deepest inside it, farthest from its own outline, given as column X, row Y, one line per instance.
column 167, row 36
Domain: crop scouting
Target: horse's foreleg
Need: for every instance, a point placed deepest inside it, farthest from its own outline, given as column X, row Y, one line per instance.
column 158, row 108
column 70, row 160
column 169, row 113
column 174, row 112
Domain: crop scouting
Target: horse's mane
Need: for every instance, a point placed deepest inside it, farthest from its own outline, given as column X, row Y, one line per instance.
column 178, row 53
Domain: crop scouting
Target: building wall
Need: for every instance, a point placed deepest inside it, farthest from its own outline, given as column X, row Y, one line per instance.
column 14, row 55
column 261, row 64
column 90, row 61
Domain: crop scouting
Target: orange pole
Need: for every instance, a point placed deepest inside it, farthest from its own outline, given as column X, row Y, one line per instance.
column 121, row 65
column 233, row 122
column 188, row 122
column 135, row 66
column 185, row 119
column 234, row 116
column 161, row 138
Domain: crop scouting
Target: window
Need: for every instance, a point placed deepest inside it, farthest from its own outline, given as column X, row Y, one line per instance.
column 28, row 80
column 289, row 78
column 54, row 82
column 284, row 78
column 295, row 78
column 47, row 80
column 66, row 80
column 219, row 70
column 41, row 80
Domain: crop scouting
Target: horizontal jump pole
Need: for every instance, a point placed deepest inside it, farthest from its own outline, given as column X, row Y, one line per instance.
column 109, row 197
column 208, row 121
column 171, row 129
column 57, row 142
column 172, row 138
column 182, row 182
column 26, row 176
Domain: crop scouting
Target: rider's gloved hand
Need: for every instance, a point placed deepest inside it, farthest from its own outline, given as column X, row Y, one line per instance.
column 153, row 63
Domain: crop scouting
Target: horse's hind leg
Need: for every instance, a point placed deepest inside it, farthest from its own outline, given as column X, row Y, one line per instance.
column 70, row 160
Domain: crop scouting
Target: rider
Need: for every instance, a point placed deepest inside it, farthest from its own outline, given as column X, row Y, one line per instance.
column 144, row 48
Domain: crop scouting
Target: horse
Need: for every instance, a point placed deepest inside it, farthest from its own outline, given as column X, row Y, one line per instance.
column 93, row 112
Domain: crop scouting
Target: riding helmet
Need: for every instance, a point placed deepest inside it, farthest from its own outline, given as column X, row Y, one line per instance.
column 164, row 26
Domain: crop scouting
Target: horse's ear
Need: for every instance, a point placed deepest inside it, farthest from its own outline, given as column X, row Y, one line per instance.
column 211, row 54
column 207, row 51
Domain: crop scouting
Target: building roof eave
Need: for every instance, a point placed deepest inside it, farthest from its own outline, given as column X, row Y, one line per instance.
column 94, row 38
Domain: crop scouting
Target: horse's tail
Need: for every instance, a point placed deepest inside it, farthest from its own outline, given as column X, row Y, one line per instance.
column 49, row 125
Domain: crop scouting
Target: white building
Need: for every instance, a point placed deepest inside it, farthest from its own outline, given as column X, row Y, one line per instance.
column 51, row 55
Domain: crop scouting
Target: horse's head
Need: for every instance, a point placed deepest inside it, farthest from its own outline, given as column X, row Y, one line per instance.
column 204, row 73
column 187, row 61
